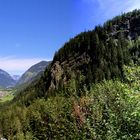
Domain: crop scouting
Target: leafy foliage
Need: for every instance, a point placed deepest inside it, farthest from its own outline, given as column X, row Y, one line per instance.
column 109, row 110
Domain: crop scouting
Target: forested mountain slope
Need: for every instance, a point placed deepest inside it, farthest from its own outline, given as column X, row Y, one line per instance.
column 6, row 80
column 89, row 91
column 92, row 56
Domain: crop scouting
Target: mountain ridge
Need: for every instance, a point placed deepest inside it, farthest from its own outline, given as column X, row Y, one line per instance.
column 33, row 73
column 6, row 80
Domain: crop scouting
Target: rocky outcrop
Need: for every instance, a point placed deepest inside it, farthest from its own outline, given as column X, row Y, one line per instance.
column 56, row 75
column 61, row 72
column 127, row 28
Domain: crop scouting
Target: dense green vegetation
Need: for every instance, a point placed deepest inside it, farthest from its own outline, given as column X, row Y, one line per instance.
column 109, row 110
column 89, row 91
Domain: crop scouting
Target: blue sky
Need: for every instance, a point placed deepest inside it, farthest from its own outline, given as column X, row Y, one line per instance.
column 32, row 30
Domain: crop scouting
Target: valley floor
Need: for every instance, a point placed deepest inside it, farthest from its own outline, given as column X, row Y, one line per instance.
column 6, row 95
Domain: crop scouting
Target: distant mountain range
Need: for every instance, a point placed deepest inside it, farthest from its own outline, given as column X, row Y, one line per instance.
column 16, row 77
column 6, row 80
column 30, row 75
column 33, row 73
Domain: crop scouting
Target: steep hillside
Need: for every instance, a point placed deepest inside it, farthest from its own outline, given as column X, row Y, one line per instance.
column 92, row 56
column 98, row 54
column 33, row 73
column 6, row 80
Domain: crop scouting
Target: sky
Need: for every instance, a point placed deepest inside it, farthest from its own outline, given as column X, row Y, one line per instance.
column 33, row 30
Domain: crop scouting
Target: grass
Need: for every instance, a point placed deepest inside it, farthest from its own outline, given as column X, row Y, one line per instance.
column 7, row 97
